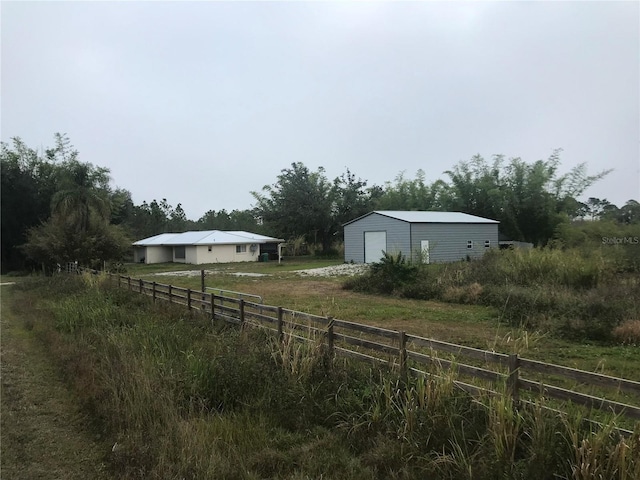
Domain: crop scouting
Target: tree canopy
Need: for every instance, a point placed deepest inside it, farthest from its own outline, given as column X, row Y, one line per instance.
column 529, row 199
column 57, row 208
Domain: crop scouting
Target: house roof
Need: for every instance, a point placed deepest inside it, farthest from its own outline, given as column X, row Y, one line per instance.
column 428, row 217
column 205, row 237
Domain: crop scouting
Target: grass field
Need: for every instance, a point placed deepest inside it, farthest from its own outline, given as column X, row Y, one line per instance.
column 471, row 325
column 175, row 397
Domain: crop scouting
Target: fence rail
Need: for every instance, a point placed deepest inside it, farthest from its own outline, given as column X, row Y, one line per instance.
column 411, row 353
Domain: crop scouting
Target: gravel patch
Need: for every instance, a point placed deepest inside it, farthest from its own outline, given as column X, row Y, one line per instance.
column 196, row 273
column 249, row 274
column 186, row 273
column 346, row 269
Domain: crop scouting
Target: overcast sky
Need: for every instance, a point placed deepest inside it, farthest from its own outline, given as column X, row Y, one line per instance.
column 203, row 102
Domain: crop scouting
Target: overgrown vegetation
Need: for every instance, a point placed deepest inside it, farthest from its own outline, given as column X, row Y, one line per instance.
column 181, row 398
column 579, row 292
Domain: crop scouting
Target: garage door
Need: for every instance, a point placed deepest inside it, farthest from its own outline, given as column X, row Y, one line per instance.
column 374, row 244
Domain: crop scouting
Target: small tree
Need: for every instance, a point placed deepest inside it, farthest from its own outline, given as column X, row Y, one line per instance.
column 58, row 242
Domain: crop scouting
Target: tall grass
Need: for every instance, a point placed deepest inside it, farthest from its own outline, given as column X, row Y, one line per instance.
column 575, row 293
column 543, row 267
column 181, row 398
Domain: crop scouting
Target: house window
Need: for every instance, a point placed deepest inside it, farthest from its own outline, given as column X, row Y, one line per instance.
column 469, row 243
column 179, row 252
column 487, row 244
column 241, row 248
column 209, row 248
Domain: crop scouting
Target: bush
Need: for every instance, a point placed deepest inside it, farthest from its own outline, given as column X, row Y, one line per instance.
column 387, row 276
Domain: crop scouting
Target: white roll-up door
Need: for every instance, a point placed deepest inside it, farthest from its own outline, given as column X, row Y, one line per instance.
column 374, row 244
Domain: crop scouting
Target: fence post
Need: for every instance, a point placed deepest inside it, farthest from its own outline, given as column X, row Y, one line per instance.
column 170, row 294
column 242, row 311
column 119, row 280
column 141, row 286
column 213, row 306
column 402, row 355
column 512, row 379
column 330, row 338
column 280, row 333
column 153, row 295
column 202, row 289
column 129, row 282
column 188, row 299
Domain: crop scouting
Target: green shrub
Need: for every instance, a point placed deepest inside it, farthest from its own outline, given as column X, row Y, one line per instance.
column 387, row 276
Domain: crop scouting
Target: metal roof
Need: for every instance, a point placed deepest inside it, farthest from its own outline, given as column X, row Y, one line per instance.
column 155, row 240
column 205, row 237
column 429, row 217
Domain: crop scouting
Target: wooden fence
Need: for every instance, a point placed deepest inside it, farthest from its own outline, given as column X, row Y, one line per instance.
column 480, row 373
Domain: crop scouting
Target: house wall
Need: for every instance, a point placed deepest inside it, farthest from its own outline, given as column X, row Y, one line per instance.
column 398, row 236
column 191, row 254
column 158, row 254
column 224, row 254
column 196, row 254
column 448, row 241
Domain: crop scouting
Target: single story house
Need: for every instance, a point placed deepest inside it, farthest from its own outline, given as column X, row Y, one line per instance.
column 209, row 246
column 421, row 236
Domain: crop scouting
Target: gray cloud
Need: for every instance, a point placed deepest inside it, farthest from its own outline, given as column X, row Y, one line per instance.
column 203, row 102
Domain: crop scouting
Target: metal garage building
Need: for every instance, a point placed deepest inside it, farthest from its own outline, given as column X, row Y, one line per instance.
column 427, row 236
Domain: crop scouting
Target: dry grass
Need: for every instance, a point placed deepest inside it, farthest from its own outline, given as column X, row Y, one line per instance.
column 628, row 333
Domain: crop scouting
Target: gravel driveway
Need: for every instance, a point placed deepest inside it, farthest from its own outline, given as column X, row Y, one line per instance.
column 345, row 269
column 350, row 269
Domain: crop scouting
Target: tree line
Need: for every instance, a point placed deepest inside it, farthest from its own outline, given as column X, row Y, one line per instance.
column 56, row 208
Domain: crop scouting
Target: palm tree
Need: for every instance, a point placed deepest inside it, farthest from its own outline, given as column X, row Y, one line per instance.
column 82, row 195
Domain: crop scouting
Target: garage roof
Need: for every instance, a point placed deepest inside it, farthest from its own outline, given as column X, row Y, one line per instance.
column 205, row 237
column 428, row 217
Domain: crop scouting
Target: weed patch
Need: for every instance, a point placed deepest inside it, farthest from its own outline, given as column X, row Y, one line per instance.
column 570, row 293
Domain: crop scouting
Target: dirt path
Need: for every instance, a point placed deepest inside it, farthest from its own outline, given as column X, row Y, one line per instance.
column 44, row 435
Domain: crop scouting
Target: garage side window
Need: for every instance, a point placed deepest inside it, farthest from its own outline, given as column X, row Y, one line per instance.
column 241, row 248
column 179, row 252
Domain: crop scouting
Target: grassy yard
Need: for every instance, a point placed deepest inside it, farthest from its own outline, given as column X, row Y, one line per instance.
column 471, row 325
